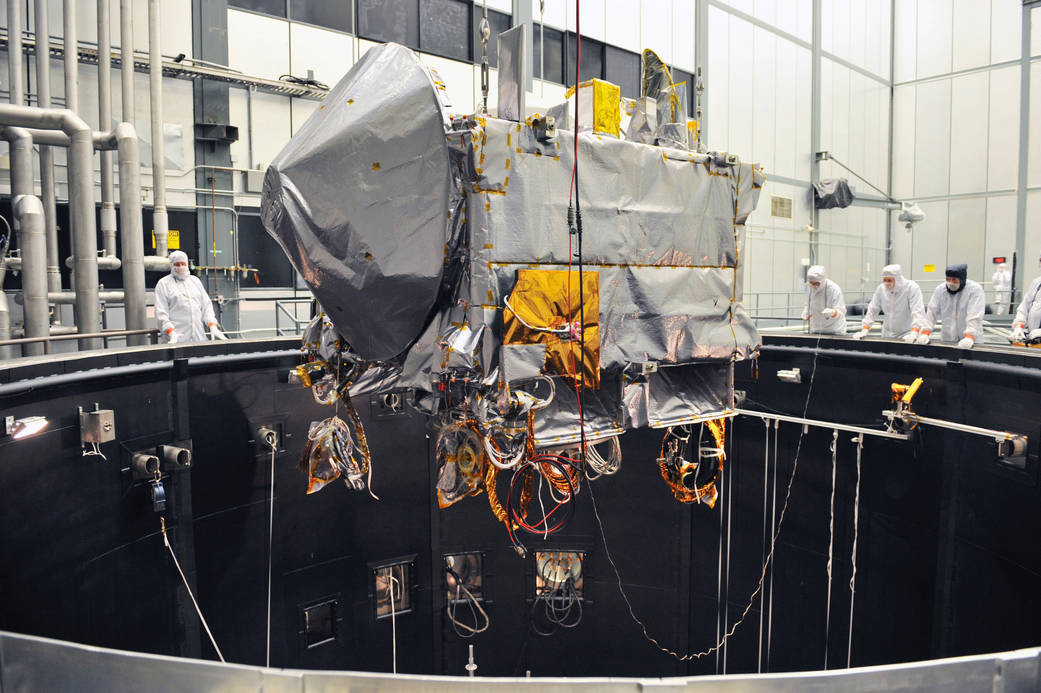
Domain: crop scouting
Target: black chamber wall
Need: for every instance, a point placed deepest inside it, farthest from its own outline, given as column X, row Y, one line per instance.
column 946, row 562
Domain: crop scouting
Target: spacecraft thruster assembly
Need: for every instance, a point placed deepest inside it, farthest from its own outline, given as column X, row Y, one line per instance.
column 443, row 252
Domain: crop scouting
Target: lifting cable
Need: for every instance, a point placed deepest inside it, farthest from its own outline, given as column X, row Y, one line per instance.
column 177, row 564
column 831, row 539
column 853, row 554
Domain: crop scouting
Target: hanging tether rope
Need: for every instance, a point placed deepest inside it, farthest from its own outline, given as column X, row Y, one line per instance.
column 270, row 535
column 166, row 543
column 831, row 542
column 853, row 556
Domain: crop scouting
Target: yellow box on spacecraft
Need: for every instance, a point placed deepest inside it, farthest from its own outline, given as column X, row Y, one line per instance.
column 599, row 106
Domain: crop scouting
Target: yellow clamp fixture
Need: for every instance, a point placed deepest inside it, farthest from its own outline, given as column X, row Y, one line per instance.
column 905, row 393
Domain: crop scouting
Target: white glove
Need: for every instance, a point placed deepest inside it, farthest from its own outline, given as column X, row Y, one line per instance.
column 173, row 336
column 1034, row 334
column 215, row 332
column 863, row 333
column 910, row 337
column 966, row 343
column 1018, row 334
column 923, row 338
column 805, row 314
column 829, row 313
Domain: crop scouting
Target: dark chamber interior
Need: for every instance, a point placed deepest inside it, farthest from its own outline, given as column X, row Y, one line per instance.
column 947, row 560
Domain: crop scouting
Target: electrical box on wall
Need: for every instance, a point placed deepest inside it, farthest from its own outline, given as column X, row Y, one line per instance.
column 98, row 426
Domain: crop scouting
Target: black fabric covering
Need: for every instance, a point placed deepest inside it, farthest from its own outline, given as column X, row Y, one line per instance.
column 832, row 193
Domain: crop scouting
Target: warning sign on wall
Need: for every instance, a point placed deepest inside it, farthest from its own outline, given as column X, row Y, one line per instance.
column 925, row 268
column 173, row 239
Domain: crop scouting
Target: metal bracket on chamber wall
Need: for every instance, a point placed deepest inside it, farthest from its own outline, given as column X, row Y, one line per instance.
column 1009, row 444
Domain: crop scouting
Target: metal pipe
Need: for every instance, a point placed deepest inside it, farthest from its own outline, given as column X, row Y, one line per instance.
column 160, row 220
column 81, row 203
column 14, row 52
column 72, row 68
column 823, row 424
column 20, row 141
column 911, row 417
column 43, row 97
column 6, row 352
column 28, row 211
column 104, row 262
column 126, row 46
column 132, row 238
column 108, row 207
column 68, row 297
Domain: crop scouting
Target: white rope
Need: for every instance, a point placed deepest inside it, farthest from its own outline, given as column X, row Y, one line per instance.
column 831, row 538
column 166, row 543
column 766, row 487
column 270, row 535
column 475, row 603
column 393, row 623
column 552, row 330
column 853, row 556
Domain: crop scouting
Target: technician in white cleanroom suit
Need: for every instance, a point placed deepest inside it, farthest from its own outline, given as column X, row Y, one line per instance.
column 960, row 303
column 1002, row 286
column 1028, row 315
column 825, row 308
column 900, row 300
column 182, row 307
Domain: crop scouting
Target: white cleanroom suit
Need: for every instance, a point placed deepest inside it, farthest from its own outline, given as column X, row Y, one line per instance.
column 1002, row 280
column 961, row 310
column 902, row 307
column 1028, row 315
column 182, row 307
column 825, row 308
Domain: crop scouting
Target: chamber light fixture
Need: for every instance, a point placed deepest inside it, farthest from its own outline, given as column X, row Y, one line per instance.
column 24, row 427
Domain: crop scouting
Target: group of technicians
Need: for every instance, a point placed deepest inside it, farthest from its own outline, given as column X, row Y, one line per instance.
column 959, row 303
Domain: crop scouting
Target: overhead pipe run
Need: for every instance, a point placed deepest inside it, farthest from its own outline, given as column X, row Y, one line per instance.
column 20, row 142
column 28, row 211
column 160, row 220
column 126, row 46
column 108, row 208
column 81, row 204
column 43, row 97
column 72, row 74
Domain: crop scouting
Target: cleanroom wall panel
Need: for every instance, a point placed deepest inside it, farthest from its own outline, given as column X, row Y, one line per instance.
column 555, row 13
column 1003, row 139
column 328, row 53
column 621, row 25
column 932, row 138
column 971, row 34
column 929, row 241
column 271, row 127
column 902, row 243
column 803, row 146
column 905, row 41
column 968, row 132
column 1034, row 152
column 934, row 30
column 300, row 110
column 1005, row 23
column 593, row 16
column 764, row 101
column 655, row 32
column 741, row 69
column 785, row 123
column 257, row 45
column 1035, row 31
column 1000, row 232
column 1032, row 247
column 718, row 135
column 966, row 235
column 904, row 106
column 683, row 35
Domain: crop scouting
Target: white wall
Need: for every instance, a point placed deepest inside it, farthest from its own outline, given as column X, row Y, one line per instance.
column 956, row 136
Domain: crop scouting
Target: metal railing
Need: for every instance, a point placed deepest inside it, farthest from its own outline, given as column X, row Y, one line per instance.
column 104, row 335
column 298, row 323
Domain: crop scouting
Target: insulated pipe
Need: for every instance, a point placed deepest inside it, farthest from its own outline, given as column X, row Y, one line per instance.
column 14, row 52
column 124, row 137
column 160, row 221
column 126, row 46
column 69, row 297
column 21, row 149
column 104, row 262
column 108, row 208
column 28, row 212
column 72, row 68
column 81, row 204
column 43, row 96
